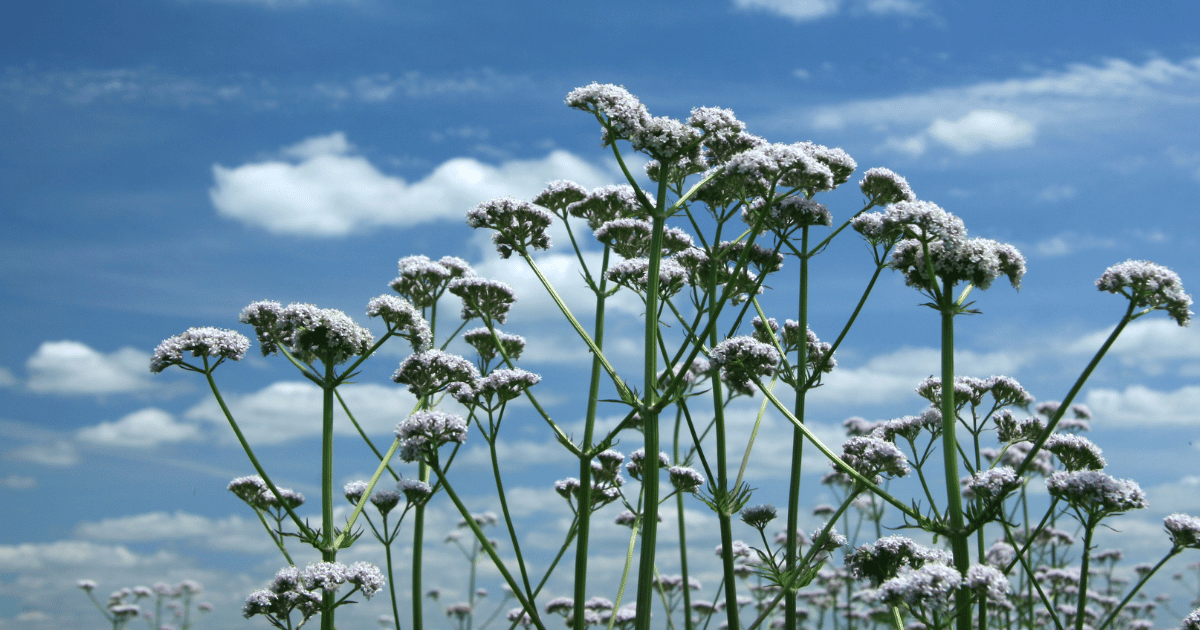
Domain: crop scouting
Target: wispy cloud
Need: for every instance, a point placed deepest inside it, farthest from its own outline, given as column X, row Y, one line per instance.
column 810, row 10
column 1007, row 113
column 146, row 428
column 26, row 87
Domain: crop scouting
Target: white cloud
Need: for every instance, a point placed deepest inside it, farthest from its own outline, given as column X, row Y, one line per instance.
column 893, row 377
column 1057, row 193
column 72, row 367
column 1148, row 344
column 1138, row 405
column 983, row 129
column 808, row 10
column 1007, row 112
column 146, row 428
column 18, row 482
column 55, row 453
column 289, row 410
column 6, row 378
column 74, row 555
column 1068, row 243
column 232, row 533
column 322, row 189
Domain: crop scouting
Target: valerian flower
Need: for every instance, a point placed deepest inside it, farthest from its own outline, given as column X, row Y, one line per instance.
column 1075, row 452
column 685, row 479
column 871, row 456
column 481, row 339
column 560, row 194
column 485, row 299
column 634, row 274
column 423, row 432
column 992, row 483
column 307, row 332
column 422, row 280
column 759, row 515
column 932, row 586
column 1010, row 430
column 978, row 261
column 882, row 560
column 608, row 203
column 634, row 466
column 1184, row 530
column 1149, row 286
column 216, row 343
column 402, row 316
column 785, row 215
column 623, row 112
column 519, row 225
column 742, row 359
column 502, row 386
column 883, row 187
column 415, row 491
column 1096, row 493
column 431, row 371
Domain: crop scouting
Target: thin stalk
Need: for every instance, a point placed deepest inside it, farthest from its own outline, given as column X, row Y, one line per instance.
column 793, row 517
column 1088, row 528
column 329, row 552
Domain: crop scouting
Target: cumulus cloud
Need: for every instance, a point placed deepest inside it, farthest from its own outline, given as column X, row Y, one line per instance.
column 6, row 378
column 233, row 533
column 983, row 129
column 1138, row 405
column 320, row 187
column 893, row 377
column 290, row 410
column 1151, row 344
column 18, row 482
column 75, row 555
column 808, row 10
column 72, row 367
column 146, row 428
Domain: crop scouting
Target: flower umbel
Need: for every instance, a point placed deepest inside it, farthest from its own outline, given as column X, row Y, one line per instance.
column 1149, row 286
column 217, row 343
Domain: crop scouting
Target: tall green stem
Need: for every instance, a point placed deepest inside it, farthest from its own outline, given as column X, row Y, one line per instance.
column 801, row 381
column 328, row 551
column 645, row 583
column 957, row 533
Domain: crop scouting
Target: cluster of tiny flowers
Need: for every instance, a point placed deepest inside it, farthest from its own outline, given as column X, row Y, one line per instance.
column 1095, row 492
column 255, row 492
column 785, row 215
column 759, row 169
column 200, row 342
column 415, row 491
column 763, row 259
column 882, row 560
column 1192, row 621
column 992, row 483
column 742, row 359
column 496, row 388
column 989, row 582
column 519, row 225
column 685, row 479
column 293, row 589
column 423, row 432
column 607, row 465
column 634, row 466
column 481, row 339
column 882, row 186
column 558, row 195
column 827, row 541
column 403, row 316
column 922, row 220
column 1005, row 390
column 930, row 586
column 634, row 274
column 908, row 427
column 308, row 332
column 1184, row 530
column 672, row 583
column 485, row 299
column 631, row 238
column 871, row 456
column 431, row 371
column 422, row 280
column 1149, row 286
column 1009, row 429
column 625, row 118
column 1075, row 452
column 978, row 261
column 759, row 515
column 608, row 203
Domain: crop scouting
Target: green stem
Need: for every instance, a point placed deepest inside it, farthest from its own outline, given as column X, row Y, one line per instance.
column 793, row 516
column 956, row 534
column 329, row 550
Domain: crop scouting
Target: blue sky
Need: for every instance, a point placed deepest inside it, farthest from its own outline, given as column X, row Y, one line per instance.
column 166, row 162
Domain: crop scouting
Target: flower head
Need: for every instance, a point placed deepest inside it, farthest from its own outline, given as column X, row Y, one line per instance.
column 759, row 515
column 402, row 316
column 558, row 195
column 422, row 280
column 608, row 203
column 636, row 458
column 1149, row 285
column 485, row 299
column 206, row 342
column 870, row 456
column 431, row 371
column 481, row 339
column 1075, row 452
column 743, row 359
column 309, row 333
column 978, row 261
column 883, row 186
column 932, row 585
column 519, row 225
column 993, row 483
column 1095, row 492
column 786, row 215
column 882, row 560
column 1184, row 530
column 685, row 479
column 423, row 432
column 635, row 275
column 415, row 491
